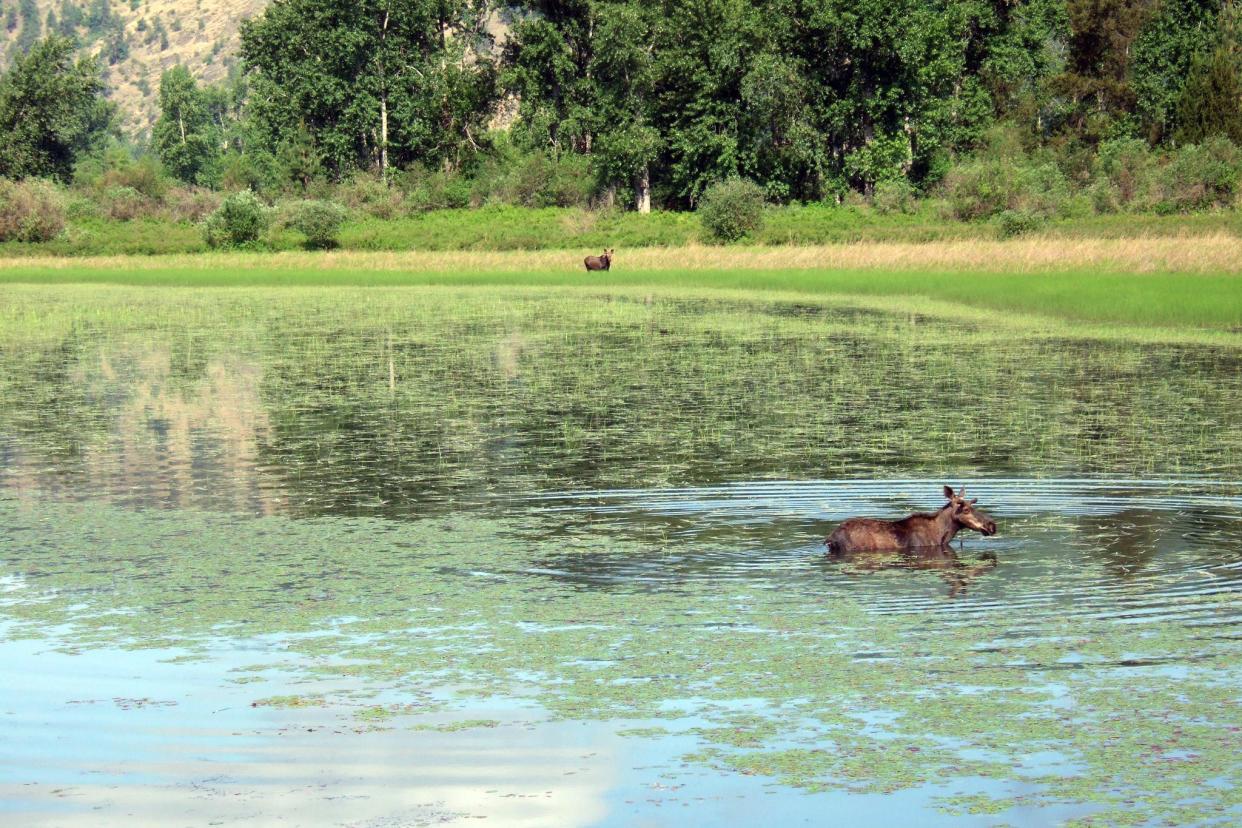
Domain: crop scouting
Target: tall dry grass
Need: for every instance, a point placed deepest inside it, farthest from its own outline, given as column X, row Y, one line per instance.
column 1201, row 254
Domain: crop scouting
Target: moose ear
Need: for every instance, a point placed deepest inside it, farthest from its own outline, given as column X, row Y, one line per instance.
column 974, row 501
column 948, row 492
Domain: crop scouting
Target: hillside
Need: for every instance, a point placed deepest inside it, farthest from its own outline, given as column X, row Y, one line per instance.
column 136, row 41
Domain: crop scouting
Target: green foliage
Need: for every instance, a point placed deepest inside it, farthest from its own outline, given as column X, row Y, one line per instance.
column 51, row 111
column 123, row 203
column 1013, row 223
column 372, row 196
column 99, row 16
column 29, row 35
column 71, row 18
column 894, row 196
column 1162, row 55
column 732, row 209
column 795, row 96
column 529, row 179
column 344, row 87
column 319, row 221
column 438, row 190
column 186, row 136
column 1125, row 176
column 1005, row 178
column 1097, row 77
column 240, row 220
column 30, row 211
column 1203, row 176
column 1211, row 100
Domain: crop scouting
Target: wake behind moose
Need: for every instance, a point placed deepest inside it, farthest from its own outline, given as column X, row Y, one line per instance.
column 603, row 262
column 918, row 531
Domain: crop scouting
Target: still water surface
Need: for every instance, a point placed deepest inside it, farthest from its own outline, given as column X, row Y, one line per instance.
column 386, row 557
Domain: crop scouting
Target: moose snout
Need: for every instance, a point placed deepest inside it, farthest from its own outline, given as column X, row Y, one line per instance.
column 989, row 527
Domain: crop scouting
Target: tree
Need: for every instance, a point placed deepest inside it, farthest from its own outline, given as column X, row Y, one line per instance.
column 547, row 59
column 1162, row 57
column 51, row 111
column 1211, row 100
column 185, row 137
column 622, row 75
column 99, row 17
column 71, row 17
column 1097, row 79
column 373, row 84
column 30, row 25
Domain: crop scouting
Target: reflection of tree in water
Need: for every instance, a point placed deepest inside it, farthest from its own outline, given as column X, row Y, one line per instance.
column 143, row 434
column 342, row 403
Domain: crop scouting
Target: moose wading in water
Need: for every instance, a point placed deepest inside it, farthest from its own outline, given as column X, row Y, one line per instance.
column 919, row 531
column 603, row 262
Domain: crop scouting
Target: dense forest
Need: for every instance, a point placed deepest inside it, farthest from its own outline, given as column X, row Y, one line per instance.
column 650, row 103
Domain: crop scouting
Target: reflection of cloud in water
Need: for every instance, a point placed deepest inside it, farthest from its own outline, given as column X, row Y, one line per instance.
column 96, row 750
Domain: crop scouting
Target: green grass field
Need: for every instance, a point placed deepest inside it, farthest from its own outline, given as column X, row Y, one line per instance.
column 1209, row 302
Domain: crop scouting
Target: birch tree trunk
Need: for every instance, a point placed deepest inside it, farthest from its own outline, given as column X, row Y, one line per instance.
column 643, row 195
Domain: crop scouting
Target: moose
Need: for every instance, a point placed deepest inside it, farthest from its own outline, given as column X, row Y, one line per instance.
column 918, row 531
column 603, row 262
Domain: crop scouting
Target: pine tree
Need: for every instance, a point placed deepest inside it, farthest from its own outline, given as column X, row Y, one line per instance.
column 1211, row 101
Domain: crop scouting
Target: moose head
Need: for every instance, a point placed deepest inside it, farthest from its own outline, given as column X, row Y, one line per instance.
column 965, row 514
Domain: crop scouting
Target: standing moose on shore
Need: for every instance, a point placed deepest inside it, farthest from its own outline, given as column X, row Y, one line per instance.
column 603, row 262
column 919, row 531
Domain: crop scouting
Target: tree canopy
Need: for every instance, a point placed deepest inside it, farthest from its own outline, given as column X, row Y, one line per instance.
column 369, row 84
column 51, row 111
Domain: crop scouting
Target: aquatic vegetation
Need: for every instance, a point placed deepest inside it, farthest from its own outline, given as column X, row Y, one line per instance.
column 405, row 505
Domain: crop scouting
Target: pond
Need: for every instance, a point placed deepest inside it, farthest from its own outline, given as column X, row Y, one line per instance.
column 420, row 556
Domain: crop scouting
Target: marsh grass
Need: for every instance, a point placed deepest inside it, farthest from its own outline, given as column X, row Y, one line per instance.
column 447, row 388
column 1147, row 284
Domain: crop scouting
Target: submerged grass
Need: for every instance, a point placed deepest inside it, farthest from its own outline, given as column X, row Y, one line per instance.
column 417, row 395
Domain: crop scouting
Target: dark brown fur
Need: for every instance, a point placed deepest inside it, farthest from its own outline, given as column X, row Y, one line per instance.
column 603, row 262
column 919, row 531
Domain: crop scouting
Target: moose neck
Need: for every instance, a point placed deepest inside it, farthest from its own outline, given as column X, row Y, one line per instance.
column 946, row 525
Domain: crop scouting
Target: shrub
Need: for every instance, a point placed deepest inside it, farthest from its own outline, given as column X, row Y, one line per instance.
column 30, row 211
column 319, row 221
column 534, row 179
column 732, row 209
column 123, row 203
column 370, row 195
column 1202, row 176
column 893, row 197
column 1014, row 223
column 1123, row 176
column 240, row 220
column 190, row 204
column 143, row 175
column 436, row 190
column 987, row 187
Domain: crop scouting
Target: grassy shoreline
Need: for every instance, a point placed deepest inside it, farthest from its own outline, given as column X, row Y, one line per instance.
column 1151, row 287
